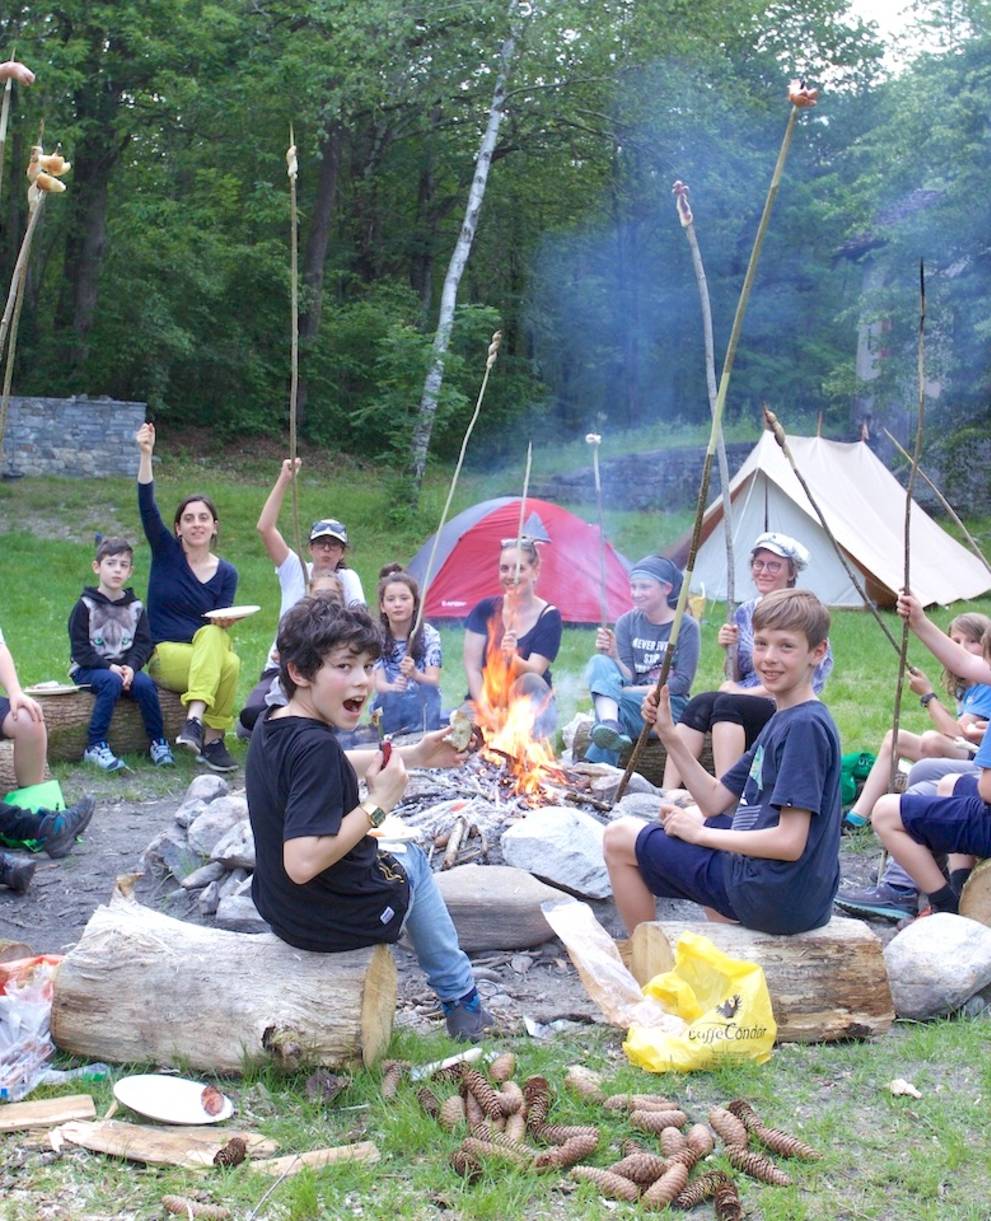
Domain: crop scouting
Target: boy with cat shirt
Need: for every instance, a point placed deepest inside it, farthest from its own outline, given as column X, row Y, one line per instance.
column 320, row 879
column 761, row 847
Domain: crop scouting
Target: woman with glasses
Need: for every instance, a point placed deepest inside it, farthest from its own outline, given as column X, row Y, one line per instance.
column 511, row 640
column 739, row 710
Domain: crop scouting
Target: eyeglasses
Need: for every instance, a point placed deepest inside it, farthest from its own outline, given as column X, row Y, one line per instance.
column 772, row 567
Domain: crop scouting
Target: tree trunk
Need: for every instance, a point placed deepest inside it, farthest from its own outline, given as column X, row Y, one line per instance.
column 315, row 255
column 462, row 249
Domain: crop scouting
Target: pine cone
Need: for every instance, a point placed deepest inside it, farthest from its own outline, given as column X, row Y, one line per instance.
column 639, row 1102
column 612, row 1186
column 558, row 1133
column 516, row 1127
column 510, row 1098
column 183, row 1206
column 699, row 1139
column 685, row 1157
column 518, row 1156
column 484, row 1094
column 451, row 1113
column 473, row 1111
column 503, row 1067
column 657, row 1121
column 660, row 1194
column 785, row 1144
column 757, row 1166
column 428, row 1101
column 745, row 1113
column 585, row 1083
column 726, row 1125
column 453, row 1072
column 392, row 1074
column 537, row 1096
column 466, row 1165
column 672, row 1141
column 232, row 1154
column 568, row 1154
column 727, row 1201
column 641, row 1167
column 630, row 1146
column 703, row 1188
column 323, row 1086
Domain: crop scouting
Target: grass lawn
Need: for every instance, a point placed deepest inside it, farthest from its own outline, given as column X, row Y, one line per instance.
column 884, row 1157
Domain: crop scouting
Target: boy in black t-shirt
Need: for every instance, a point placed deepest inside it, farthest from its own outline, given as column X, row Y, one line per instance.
column 772, row 865
column 320, row 880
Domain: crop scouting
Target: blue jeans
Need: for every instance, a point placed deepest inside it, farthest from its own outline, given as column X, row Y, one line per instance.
column 602, row 677
column 431, row 930
column 108, row 688
column 411, row 711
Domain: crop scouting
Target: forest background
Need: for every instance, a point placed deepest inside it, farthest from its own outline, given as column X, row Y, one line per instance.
column 163, row 274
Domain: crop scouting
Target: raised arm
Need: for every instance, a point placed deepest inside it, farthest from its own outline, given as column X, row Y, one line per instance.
column 954, row 656
column 268, row 520
column 156, row 531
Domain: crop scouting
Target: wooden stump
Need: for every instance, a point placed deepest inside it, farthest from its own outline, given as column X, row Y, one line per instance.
column 651, row 760
column 8, row 781
column 140, row 987
column 975, row 898
column 67, row 718
column 829, row 983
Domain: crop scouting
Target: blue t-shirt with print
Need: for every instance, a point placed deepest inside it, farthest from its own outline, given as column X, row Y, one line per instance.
column 976, row 700
column 983, row 756
column 795, row 762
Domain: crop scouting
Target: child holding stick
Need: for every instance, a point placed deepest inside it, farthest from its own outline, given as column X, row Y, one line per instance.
column 407, row 675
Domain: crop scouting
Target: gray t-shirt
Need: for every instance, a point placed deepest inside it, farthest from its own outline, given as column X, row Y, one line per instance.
column 641, row 646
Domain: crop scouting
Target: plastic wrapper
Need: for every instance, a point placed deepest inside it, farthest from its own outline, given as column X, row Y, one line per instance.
column 25, row 1015
column 602, row 971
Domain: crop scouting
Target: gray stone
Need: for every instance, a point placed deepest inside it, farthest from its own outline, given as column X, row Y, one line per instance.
column 208, row 899
column 215, row 821
column 236, row 848
column 238, row 914
column 604, row 786
column 495, row 907
column 189, row 811
column 207, row 788
column 521, row 963
column 170, row 852
column 561, row 846
column 638, row 805
column 232, row 883
column 937, row 964
column 207, row 873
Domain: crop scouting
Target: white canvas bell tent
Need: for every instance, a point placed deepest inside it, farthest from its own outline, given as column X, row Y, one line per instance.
column 864, row 505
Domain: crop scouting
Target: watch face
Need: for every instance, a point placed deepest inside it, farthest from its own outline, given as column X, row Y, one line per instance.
column 376, row 815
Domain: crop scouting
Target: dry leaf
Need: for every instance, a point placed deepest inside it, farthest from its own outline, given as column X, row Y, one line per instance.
column 901, row 1086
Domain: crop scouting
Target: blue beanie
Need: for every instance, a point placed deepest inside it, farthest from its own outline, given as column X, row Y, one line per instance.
column 659, row 568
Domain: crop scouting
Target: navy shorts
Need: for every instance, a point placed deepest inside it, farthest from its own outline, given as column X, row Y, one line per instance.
column 673, row 869
column 4, row 709
column 961, row 823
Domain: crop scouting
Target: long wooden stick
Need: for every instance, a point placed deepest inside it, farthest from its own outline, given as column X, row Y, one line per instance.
column 595, row 440
column 717, row 418
column 4, row 118
column 490, row 360
column 943, row 501
column 685, row 215
column 8, row 372
column 292, row 170
column 526, row 489
column 774, row 424
column 22, row 259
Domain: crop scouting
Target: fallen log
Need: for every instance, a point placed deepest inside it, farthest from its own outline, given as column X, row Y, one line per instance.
column 140, row 987
column 293, row 1163
column 650, row 761
column 8, row 780
column 191, row 1148
column 975, row 898
column 67, row 720
column 19, row 1116
column 829, row 983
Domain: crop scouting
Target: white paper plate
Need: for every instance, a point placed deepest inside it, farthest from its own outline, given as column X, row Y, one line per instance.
column 232, row 612
column 54, row 688
column 168, row 1099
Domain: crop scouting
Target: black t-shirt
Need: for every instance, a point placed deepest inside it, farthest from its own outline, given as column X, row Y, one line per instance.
column 299, row 783
column 543, row 638
column 794, row 762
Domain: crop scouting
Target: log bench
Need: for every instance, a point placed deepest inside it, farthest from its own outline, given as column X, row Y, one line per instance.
column 651, row 760
column 829, row 983
column 67, row 718
column 140, row 987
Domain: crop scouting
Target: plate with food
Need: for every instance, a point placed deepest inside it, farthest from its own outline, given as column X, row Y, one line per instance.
column 232, row 612
column 173, row 1099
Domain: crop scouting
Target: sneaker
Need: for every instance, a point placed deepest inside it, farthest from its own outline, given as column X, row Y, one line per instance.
column 880, row 900
column 161, row 753
column 16, row 872
column 100, row 755
column 466, row 1019
column 609, row 735
column 217, row 757
column 59, row 828
column 191, row 736
column 853, row 822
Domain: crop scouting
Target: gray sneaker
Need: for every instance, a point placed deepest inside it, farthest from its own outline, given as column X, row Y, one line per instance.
column 882, row 900
column 609, row 735
column 59, row 828
column 466, row 1024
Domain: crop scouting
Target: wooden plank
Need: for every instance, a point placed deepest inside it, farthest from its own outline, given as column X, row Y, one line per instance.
column 191, row 1148
column 293, row 1163
column 16, row 1116
column 829, row 983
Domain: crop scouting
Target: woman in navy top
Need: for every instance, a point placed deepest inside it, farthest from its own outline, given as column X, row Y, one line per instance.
column 511, row 640
column 193, row 655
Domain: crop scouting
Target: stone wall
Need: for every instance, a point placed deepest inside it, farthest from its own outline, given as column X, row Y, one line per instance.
column 75, row 436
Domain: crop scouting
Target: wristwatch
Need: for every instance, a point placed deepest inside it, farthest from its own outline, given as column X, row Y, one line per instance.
column 927, row 699
column 376, row 815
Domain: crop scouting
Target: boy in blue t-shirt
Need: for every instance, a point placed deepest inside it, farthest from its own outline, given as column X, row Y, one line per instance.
column 773, row 863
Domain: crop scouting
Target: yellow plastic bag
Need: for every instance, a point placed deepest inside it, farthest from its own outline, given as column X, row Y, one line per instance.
column 725, row 1002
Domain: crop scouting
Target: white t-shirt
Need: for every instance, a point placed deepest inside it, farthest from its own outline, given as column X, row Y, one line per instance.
column 292, row 583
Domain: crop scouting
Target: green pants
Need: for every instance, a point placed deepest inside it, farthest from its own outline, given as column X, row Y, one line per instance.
column 205, row 670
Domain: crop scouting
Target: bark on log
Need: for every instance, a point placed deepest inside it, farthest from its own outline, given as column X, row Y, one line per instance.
column 141, row 987
column 67, row 718
column 829, row 983
column 975, row 898
column 8, row 780
column 650, row 761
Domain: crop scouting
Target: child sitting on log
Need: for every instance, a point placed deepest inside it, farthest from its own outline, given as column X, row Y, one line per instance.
column 110, row 643
column 23, row 723
column 320, row 880
column 773, row 862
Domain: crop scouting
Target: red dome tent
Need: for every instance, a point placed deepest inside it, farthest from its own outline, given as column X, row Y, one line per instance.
column 465, row 567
